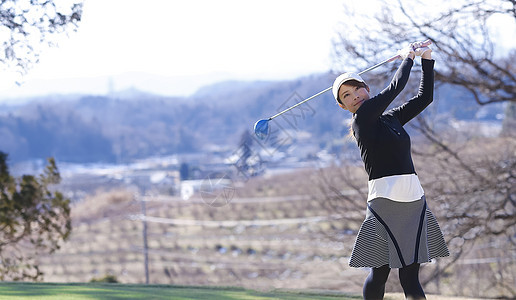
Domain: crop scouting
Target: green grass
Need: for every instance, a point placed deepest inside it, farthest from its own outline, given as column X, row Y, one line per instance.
column 80, row 291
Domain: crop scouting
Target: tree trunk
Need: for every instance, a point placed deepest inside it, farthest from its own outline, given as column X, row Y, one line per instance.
column 509, row 120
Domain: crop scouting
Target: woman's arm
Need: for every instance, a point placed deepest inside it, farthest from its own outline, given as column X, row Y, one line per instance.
column 425, row 95
column 371, row 109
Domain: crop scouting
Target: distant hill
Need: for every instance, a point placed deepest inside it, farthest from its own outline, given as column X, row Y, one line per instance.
column 132, row 124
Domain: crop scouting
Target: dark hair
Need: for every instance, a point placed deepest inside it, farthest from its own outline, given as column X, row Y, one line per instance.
column 351, row 82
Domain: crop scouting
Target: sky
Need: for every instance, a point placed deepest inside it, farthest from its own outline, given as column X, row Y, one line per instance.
column 175, row 47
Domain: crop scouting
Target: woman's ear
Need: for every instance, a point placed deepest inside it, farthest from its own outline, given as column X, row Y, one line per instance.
column 367, row 88
column 342, row 106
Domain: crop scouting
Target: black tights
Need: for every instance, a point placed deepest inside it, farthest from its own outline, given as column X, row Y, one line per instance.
column 374, row 286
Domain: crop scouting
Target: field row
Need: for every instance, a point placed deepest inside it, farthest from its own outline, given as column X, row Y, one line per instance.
column 284, row 255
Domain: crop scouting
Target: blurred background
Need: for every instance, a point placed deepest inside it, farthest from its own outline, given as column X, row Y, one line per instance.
column 129, row 152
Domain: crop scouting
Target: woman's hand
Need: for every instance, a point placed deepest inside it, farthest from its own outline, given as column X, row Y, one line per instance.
column 424, row 52
column 407, row 52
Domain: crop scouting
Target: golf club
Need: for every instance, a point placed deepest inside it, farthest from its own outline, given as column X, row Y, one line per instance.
column 261, row 127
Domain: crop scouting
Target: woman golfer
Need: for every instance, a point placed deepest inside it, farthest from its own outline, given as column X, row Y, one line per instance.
column 399, row 230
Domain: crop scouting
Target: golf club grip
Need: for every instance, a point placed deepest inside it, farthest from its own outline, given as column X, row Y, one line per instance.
column 395, row 57
column 426, row 43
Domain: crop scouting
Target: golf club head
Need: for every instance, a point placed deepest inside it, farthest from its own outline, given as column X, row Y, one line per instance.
column 261, row 129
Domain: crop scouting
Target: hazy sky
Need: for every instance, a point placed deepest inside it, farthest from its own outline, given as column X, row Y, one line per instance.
column 120, row 43
column 173, row 47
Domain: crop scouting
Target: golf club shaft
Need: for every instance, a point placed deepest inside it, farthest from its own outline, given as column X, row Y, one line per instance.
column 395, row 57
column 296, row 105
column 327, row 89
column 424, row 44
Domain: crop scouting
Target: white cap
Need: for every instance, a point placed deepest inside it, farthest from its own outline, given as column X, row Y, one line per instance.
column 342, row 79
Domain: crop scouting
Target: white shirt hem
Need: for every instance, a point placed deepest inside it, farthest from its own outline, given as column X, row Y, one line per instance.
column 401, row 188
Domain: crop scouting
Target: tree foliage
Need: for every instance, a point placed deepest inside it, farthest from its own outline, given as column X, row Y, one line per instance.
column 33, row 219
column 469, row 180
column 472, row 184
column 463, row 37
column 27, row 25
column 471, row 188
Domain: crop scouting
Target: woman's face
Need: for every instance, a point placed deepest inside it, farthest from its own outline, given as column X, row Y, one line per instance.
column 353, row 95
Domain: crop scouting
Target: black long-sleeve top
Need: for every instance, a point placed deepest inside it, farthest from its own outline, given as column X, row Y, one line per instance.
column 384, row 144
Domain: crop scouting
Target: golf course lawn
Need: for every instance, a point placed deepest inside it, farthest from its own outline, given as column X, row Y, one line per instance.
column 25, row 290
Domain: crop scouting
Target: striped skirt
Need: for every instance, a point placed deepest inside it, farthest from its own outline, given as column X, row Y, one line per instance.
column 397, row 234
